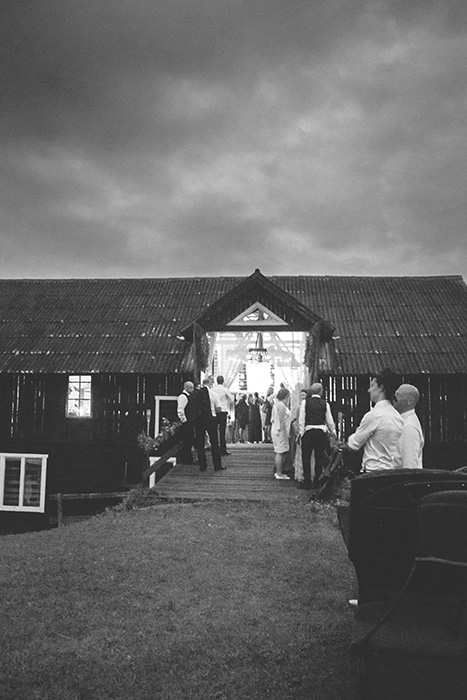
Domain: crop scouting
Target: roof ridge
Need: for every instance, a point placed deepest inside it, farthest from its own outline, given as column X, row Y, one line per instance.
column 226, row 277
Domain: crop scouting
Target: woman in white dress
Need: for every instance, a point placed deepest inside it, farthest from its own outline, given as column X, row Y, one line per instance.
column 280, row 431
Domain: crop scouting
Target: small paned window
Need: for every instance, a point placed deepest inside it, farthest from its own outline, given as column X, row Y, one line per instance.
column 256, row 315
column 79, row 396
column 22, row 482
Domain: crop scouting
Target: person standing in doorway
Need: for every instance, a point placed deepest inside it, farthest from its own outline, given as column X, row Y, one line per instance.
column 241, row 418
column 227, row 400
column 267, row 413
column 280, row 431
column 254, row 420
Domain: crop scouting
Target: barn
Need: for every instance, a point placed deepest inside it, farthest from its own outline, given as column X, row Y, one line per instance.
column 86, row 365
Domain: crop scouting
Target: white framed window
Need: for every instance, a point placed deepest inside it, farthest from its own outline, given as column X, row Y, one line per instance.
column 78, row 403
column 22, row 482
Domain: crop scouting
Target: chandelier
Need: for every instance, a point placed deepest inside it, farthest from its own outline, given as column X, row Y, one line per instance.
column 258, row 352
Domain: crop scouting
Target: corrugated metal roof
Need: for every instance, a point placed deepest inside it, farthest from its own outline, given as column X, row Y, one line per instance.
column 411, row 324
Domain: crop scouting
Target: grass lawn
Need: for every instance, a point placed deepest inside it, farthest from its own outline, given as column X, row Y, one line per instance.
column 200, row 601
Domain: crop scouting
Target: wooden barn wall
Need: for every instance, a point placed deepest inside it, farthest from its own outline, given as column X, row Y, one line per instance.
column 85, row 454
column 101, row 453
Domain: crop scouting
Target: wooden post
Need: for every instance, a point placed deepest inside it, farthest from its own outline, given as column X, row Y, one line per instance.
column 196, row 371
column 312, row 353
column 317, row 338
column 59, row 509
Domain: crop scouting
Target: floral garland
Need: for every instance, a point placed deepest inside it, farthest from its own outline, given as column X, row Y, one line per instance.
column 201, row 341
column 309, row 352
column 168, row 430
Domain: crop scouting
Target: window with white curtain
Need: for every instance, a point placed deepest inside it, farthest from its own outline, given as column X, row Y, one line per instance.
column 78, row 403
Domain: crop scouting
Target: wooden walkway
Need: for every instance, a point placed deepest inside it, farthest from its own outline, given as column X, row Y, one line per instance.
column 249, row 477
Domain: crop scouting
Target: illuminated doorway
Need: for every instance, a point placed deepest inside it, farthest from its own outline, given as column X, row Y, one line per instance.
column 251, row 361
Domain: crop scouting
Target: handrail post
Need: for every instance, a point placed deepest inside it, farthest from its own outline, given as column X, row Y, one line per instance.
column 59, row 509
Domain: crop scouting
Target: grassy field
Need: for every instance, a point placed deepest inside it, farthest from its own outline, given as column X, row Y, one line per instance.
column 222, row 601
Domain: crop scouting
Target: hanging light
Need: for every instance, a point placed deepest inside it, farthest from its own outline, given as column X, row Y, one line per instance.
column 258, row 353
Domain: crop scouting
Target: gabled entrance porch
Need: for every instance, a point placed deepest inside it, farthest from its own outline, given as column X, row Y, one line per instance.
column 258, row 335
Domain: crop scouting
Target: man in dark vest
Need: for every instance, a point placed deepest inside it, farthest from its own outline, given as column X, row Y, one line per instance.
column 206, row 407
column 315, row 422
column 185, row 416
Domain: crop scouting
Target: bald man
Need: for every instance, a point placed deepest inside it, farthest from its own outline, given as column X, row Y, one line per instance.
column 411, row 441
column 185, row 416
column 315, row 421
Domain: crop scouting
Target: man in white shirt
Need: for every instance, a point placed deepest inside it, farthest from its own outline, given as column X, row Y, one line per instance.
column 380, row 429
column 183, row 400
column 411, row 441
column 227, row 401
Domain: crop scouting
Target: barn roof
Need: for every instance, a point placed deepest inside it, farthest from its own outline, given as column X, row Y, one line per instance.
column 411, row 324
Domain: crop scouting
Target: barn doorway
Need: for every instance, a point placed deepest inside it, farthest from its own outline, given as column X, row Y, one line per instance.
column 254, row 360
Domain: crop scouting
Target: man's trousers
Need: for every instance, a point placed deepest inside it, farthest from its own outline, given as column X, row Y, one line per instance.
column 187, row 434
column 222, row 420
column 210, row 427
column 315, row 440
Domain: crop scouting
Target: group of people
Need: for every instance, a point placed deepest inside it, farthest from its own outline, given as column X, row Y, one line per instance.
column 203, row 413
column 253, row 418
column 390, row 434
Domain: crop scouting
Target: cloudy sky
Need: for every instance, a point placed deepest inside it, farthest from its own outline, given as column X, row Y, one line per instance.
column 156, row 138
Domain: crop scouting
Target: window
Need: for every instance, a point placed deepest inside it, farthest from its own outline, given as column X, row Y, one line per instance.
column 79, row 396
column 22, row 482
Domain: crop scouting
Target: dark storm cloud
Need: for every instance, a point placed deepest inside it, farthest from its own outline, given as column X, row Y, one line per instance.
column 153, row 138
column 83, row 68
